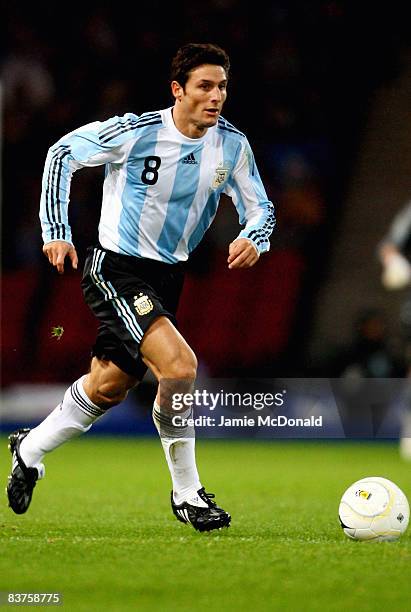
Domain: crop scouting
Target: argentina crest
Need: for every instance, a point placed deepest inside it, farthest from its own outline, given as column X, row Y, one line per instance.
column 221, row 175
column 143, row 304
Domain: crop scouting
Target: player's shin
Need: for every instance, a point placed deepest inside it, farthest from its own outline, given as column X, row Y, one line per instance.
column 72, row 417
column 178, row 441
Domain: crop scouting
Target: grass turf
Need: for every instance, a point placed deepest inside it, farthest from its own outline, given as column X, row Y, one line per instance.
column 101, row 532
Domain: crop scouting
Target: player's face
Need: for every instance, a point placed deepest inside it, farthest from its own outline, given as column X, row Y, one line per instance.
column 201, row 100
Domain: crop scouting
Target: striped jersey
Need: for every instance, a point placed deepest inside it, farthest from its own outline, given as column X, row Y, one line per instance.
column 161, row 189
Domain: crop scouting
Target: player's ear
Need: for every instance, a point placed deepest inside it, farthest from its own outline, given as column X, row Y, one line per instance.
column 177, row 90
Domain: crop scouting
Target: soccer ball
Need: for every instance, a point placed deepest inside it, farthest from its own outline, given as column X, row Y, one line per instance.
column 374, row 509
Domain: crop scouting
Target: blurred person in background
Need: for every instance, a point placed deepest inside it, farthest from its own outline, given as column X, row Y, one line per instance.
column 394, row 253
column 165, row 173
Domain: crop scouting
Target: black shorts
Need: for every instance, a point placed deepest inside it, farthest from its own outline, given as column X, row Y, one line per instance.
column 126, row 294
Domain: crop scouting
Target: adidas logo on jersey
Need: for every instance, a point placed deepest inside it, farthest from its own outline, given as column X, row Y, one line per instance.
column 190, row 159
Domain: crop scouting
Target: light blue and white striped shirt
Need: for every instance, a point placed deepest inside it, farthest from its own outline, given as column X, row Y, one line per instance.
column 161, row 189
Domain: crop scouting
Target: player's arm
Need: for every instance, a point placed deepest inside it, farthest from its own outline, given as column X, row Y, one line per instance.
column 386, row 251
column 242, row 253
column 397, row 236
column 57, row 251
column 396, row 270
column 94, row 144
column 254, row 209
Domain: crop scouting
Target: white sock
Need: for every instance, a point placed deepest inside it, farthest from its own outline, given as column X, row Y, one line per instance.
column 179, row 448
column 74, row 416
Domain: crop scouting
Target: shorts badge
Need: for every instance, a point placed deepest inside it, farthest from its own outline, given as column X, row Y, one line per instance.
column 143, row 304
column 221, row 175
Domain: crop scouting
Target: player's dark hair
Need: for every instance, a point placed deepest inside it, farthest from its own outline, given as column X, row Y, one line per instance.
column 192, row 55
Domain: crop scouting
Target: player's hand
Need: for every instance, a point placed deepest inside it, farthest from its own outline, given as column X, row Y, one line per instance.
column 387, row 251
column 57, row 251
column 242, row 254
column 396, row 270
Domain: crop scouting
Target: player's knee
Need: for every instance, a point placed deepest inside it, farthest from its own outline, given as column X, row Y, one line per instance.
column 109, row 394
column 183, row 368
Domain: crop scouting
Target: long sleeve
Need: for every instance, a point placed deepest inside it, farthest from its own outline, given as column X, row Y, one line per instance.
column 400, row 228
column 250, row 199
column 94, row 144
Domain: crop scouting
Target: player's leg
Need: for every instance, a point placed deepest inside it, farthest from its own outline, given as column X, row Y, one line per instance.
column 173, row 362
column 115, row 368
column 405, row 437
column 86, row 400
column 405, row 434
column 171, row 359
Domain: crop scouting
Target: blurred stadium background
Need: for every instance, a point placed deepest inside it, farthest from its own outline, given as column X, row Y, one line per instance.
column 322, row 90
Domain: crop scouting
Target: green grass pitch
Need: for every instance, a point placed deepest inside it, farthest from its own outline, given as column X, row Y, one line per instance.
column 101, row 532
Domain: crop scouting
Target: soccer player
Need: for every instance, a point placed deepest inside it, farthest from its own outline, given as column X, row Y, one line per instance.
column 395, row 256
column 165, row 173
